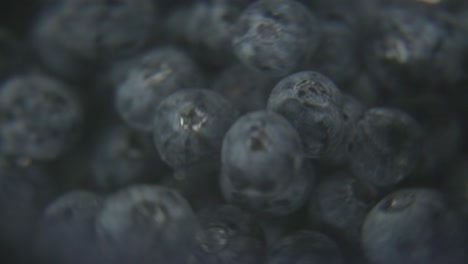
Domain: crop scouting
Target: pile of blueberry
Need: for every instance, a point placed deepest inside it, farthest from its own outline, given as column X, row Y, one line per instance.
column 234, row 132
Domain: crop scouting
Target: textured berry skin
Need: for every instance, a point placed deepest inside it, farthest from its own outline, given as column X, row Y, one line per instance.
column 73, row 36
column 262, row 165
column 312, row 104
column 305, row 247
column 229, row 235
column 154, row 76
column 144, row 224
column 386, row 149
column 189, row 126
column 340, row 205
column 206, row 28
column 66, row 233
column 276, row 36
column 39, row 117
column 414, row 226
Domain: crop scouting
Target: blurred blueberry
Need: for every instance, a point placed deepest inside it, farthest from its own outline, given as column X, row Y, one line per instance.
column 276, row 37
column 155, row 75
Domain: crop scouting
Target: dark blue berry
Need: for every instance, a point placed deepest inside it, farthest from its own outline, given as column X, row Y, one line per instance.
column 74, row 36
column 312, row 104
column 189, row 126
column 155, row 75
column 40, row 117
column 339, row 205
column 229, row 235
column 386, row 148
column 146, row 224
column 206, row 28
column 414, row 226
column 262, row 165
column 276, row 36
column 67, row 228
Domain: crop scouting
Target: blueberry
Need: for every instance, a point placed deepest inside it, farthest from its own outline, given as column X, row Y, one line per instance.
column 276, row 36
column 312, row 103
column 67, row 228
column 73, row 36
column 305, row 246
column 122, row 157
column 189, row 126
column 340, row 204
column 414, row 226
column 207, row 27
column 262, row 165
column 386, row 148
column 411, row 48
column 39, row 117
column 352, row 111
column 155, row 75
column 229, row 235
column 146, row 224
column 246, row 89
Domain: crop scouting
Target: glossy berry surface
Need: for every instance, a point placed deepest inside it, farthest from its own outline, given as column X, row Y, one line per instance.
column 189, row 126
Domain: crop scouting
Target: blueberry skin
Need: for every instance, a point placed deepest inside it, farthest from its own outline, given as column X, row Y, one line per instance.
column 67, row 228
column 411, row 48
column 123, row 156
column 340, row 205
column 305, row 246
column 276, row 37
column 73, row 36
column 262, row 165
column 229, row 235
column 206, row 28
column 155, row 75
column 247, row 90
column 351, row 111
column 146, row 224
column 189, row 126
column 312, row 104
column 414, row 226
column 39, row 117
column 386, row 149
